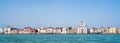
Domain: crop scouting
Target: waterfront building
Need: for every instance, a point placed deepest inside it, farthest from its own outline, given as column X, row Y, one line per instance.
column 1, row 30
column 45, row 30
column 64, row 30
column 104, row 30
column 54, row 30
column 94, row 30
column 8, row 29
column 68, row 29
column 112, row 30
column 34, row 31
column 82, row 28
column 15, row 31
column 72, row 30
column 30, row 30
column 49, row 29
column 38, row 30
column 21, row 31
column 42, row 30
column 118, row 30
column 57, row 30
column 27, row 30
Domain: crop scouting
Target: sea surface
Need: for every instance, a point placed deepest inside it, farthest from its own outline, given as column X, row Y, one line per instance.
column 59, row 38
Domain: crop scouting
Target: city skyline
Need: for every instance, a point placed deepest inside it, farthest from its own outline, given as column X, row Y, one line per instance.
column 59, row 13
column 81, row 29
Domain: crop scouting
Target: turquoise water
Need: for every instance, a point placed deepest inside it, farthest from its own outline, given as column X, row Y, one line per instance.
column 59, row 38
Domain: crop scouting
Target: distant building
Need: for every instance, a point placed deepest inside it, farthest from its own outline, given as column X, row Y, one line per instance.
column 43, row 31
column 27, row 30
column 8, row 29
column 15, row 31
column 72, row 30
column 21, row 31
column 104, row 30
column 46, row 30
column 57, row 30
column 1, row 30
column 39, row 30
column 30, row 30
column 68, row 30
column 112, row 30
column 64, row 30
column 49, row 29
column 82, row 28
column 34, row 31
column 93, row 30
column 118, row 30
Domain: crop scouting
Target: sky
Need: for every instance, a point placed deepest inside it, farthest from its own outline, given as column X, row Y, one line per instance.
column 59, row 13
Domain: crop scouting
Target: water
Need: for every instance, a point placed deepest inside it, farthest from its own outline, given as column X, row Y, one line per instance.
column 59, row 38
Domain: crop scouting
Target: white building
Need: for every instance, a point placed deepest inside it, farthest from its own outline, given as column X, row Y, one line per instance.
column 1, row 30
column 94, row 30
column 64, row 30
column 7, row 30
column 82, row 28
column 91, row 31
column 104, row 30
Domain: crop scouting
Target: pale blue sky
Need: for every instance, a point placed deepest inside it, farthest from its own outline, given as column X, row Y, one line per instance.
column 57, row 13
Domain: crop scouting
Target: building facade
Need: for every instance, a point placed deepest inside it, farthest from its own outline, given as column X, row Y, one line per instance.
column 112, row 30
column 21, row 31
column 1, row 30
column 93, row 30
column 57, row 30
column 71, row 30
column 15, row 31
column 64, row 30
column 49, row 30
column 118, row 30
column 27, row 30
column 104, row 30
column 8, row 29
column 82, row 28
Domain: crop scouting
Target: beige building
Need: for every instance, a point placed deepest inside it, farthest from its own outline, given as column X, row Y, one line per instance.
column 57, row 30
column 118, row 30
column 41, row 30
column 112, row 30
column 104, row 30
column 49, row 30
column 45, row 30
column 15, row 31
column 21, row 31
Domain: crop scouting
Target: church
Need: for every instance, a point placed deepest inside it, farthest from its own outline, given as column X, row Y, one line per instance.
column 82, row 28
